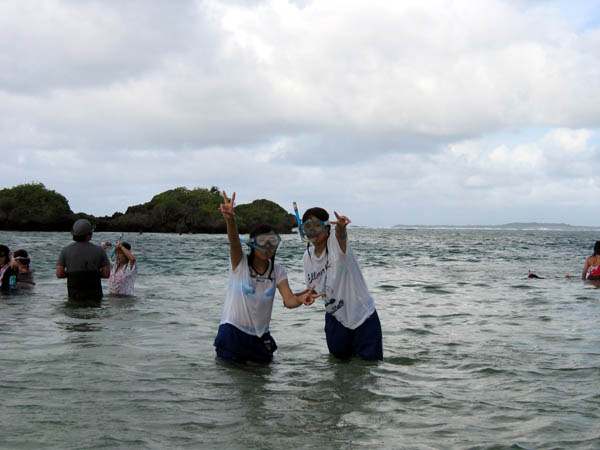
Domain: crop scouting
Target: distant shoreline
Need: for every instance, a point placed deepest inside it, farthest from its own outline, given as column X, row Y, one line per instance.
column 520, row 226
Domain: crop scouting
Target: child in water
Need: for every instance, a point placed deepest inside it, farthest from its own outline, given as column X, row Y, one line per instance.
column 7, row 271
column 592, row 263
column 352, row 325
column 20, row 263
column 124, row 272
column 244, row 329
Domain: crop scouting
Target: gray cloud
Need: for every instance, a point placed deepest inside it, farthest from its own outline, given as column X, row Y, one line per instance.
column 403, row 97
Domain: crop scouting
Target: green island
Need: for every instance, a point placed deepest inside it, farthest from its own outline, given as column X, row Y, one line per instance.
column 33, row 207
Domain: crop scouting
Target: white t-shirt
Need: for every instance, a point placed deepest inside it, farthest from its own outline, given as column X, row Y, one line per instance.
column 338, row 275
column 249, row 299
column 121, row 282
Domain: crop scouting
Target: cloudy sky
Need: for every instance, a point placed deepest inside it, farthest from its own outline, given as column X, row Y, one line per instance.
column 391, row 112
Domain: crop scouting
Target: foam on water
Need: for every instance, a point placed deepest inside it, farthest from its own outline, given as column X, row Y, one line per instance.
column 476, row 354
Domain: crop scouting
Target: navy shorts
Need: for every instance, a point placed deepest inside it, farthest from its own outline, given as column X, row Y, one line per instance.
column 235, row 345
column 365, row 341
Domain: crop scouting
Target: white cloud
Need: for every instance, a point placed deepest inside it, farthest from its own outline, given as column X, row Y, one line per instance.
column 349, row 102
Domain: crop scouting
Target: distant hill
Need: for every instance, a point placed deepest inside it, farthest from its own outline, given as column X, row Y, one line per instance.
column 509, row 226
column 32, row 207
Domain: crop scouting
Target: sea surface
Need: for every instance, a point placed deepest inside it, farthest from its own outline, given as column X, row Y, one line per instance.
column 477, row 355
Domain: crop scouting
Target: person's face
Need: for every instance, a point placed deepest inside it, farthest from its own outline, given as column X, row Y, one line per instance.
column 120, row 256
column 315, row 230
column 265, row 253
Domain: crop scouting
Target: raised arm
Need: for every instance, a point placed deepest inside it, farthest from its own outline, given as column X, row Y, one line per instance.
column 235, row 246
column 291, row 300
column 340, row 230
column 130, row 256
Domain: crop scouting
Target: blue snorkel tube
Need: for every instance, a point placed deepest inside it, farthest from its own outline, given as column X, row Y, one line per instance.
column 112, row 256
column 300, row 232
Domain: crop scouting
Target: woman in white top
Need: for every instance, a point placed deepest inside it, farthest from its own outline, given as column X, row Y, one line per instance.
column 124, row 272
column 352, row 325
column 244, row 328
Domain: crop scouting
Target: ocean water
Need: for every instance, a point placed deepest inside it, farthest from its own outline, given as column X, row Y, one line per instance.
column 477, row 355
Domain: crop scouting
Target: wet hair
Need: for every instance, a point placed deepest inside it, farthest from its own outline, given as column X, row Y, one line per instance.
column 597, row 248
column 317, row 212
column 263, row 228
column 127, row 245
column 5, row 251
column 22, row 256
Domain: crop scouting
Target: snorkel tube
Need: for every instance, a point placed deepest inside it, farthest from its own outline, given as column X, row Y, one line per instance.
column 300, row 232
column 112, row 256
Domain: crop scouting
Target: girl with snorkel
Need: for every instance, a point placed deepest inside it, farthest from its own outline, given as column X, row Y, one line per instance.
column 244, row 329
column 352, row 326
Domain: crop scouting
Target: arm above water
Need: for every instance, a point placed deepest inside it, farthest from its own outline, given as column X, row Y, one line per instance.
column 235, row 247
column 291, row 300
column 341, row 234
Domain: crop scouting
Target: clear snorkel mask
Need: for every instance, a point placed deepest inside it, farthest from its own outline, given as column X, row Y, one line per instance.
column 263, row 241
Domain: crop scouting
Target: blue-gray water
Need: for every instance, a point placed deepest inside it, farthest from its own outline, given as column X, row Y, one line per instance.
column 476, row 354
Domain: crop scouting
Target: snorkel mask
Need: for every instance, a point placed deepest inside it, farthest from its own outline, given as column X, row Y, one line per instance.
column 264, row 241
column 311, row 228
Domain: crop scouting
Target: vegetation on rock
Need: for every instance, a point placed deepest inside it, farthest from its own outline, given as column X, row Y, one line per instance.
column 179, row 210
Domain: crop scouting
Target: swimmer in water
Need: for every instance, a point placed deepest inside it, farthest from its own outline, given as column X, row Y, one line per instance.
column 592, row 264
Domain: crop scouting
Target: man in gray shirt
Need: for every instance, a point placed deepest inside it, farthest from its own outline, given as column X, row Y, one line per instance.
column 83, row 264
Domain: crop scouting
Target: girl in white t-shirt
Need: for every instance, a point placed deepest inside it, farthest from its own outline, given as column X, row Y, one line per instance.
column 352, row 325
column 244, row 328
column 124, row 272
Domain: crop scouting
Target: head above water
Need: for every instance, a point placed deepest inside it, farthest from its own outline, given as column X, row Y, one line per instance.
column 81, row 229
column 4, row 254
column 269, row 252
column 314, row 221
column 22, row 257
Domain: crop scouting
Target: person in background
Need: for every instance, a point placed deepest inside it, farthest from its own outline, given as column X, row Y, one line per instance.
column 352, row 326
column 7, row 272
column 83, row 264
column 592, row 263
column 20, row 262
column 243, row 333
column 124, row 272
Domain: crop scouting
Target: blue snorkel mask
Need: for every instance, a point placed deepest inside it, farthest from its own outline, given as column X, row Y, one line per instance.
column 263, row 241
column 313, row 227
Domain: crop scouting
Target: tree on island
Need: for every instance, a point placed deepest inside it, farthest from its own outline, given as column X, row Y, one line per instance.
column 180, row 210
column 29, row 207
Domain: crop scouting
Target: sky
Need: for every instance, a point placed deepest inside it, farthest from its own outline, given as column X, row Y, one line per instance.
column 389, row 112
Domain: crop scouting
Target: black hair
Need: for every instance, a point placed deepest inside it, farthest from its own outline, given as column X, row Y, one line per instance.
column 5, row 251
column 597, row 248
column 23, row 256
column 127, row 245
column 81, row 237
column 317, row 212
column 262, row 228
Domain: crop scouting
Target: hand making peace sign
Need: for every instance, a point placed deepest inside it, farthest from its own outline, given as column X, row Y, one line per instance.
column 341, row 222
column 226, row 207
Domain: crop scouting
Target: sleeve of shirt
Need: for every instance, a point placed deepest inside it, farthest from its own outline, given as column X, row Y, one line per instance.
column 61, row 258
column 280, row 274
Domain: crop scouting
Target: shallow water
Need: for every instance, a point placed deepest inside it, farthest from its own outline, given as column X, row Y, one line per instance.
column 476, row 354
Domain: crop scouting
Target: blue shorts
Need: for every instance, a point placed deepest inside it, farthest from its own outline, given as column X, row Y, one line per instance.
column 235, row 345
column 365, row 341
